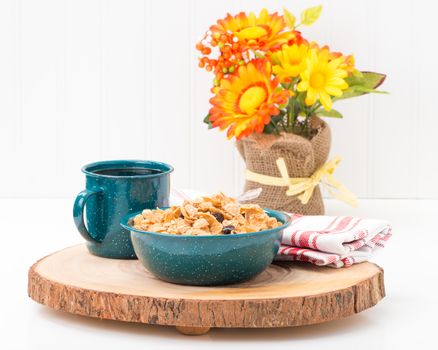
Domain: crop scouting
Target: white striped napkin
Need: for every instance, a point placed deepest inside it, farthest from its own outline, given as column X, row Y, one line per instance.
column 335, row 241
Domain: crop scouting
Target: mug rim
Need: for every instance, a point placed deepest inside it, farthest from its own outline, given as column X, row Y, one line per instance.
column 117, row 162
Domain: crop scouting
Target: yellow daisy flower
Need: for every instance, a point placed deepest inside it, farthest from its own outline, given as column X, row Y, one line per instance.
column 290, row 61
column 322, row 79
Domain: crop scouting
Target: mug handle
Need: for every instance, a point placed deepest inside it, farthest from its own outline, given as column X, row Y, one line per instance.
column 78, row 214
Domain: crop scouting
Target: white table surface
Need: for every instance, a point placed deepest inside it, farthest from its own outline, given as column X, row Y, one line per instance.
column 407, row 317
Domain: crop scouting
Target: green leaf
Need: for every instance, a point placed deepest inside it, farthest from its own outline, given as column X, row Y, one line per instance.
column 207, row 121
column 278, row 118
column 289, row 18
column 331, row 113
column 361, row 84
column 357, row 73
column 359, row 88
column 309, row 16
column 270, row 129
column 373, row 80
column 370, row 80
column 275, row 125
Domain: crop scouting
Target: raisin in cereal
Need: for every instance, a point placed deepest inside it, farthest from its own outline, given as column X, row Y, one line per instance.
column 215, row 215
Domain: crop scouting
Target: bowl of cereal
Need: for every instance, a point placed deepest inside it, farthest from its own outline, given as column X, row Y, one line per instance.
column 207, row 241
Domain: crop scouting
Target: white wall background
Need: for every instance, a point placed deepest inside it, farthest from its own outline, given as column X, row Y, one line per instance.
column 85, row 80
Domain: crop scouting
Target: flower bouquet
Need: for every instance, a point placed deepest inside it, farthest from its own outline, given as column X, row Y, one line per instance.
column 270, row 87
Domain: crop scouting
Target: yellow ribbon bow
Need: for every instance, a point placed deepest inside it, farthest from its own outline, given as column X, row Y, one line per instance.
column 304, row 186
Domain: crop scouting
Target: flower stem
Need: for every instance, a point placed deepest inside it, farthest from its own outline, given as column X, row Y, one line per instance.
column 314, row 109
column 290, row 114
column 306, row 124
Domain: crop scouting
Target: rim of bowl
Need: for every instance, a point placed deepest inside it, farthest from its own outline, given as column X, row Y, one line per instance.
column 116, row 162
column 286, row 223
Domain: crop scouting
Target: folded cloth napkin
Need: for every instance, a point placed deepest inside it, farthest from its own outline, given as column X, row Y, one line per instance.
column 335, row 241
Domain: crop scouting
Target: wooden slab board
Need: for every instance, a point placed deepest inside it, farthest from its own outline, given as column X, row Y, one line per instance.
column 284, row 295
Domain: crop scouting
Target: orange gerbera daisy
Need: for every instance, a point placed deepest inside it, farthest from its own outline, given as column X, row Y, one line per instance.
column 245, row 102
column 258, row 33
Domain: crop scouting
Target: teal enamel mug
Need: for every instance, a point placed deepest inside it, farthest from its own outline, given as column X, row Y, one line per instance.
column 113, row 189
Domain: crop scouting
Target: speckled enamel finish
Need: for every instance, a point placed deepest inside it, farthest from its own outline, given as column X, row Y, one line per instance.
column 207, row 260
column 108, row 198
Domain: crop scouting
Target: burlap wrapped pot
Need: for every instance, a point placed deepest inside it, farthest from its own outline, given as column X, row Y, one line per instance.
column 302, row 157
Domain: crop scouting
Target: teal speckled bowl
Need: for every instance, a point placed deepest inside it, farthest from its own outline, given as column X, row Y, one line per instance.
column 207, row 260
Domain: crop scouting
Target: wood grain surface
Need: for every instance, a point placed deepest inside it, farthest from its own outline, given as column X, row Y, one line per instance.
column 286, row 294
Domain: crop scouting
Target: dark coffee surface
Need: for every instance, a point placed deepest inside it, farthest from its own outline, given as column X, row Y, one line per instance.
column 132, row 171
